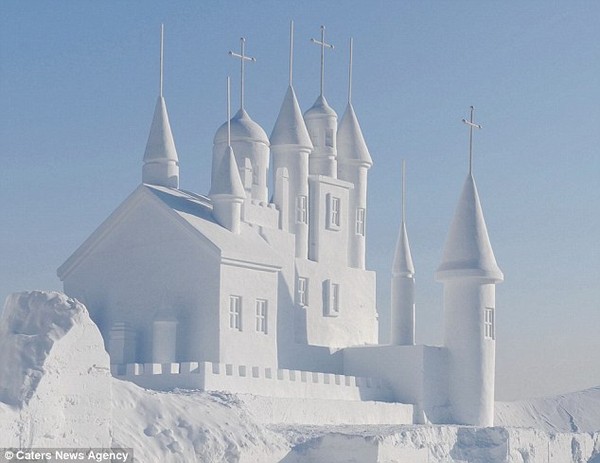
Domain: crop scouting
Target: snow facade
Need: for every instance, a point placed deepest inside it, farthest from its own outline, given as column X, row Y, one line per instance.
column 266, row 292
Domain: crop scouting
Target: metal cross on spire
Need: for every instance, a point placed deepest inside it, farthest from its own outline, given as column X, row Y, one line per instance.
column 323, row 45
column 350, row 73
column 162, row 34
column 472, row 126
column 243, row 58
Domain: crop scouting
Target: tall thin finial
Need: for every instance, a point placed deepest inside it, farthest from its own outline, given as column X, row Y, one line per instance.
column 350, row 73
column 403, row 191
column 243, row 58
column 291, row 50
column 323, row 45
column 162, row 34
column 472, row 126
column 228, row 111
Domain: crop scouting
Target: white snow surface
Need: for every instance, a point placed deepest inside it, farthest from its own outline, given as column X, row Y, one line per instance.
column 56, row 391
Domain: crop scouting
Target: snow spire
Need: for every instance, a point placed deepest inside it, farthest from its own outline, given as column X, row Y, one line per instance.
column 243, row 58
column 290, row 128
column 350, row 74
column 161, row 163
column 291, row 51
column 472, row 126
column 468, row 251
column 323, row 45
column 403, row 263
column 162, row 33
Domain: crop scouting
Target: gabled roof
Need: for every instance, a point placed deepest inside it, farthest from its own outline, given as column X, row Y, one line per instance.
column 351, row 146
column 468, row 251
column 160, row 145
column 290, row 128
column 403, row 263
column 194, row 213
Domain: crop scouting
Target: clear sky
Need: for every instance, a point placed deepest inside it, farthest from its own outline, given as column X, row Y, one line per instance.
column 79, row 80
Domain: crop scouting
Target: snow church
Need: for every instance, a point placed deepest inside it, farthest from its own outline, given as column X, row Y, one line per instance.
column 266, row 292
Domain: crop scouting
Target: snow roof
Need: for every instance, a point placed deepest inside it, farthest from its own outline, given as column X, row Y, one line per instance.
column 193, row 212
column 290, row 128
column 160, row 143
column 351, row 144
column 468, row 252
column 320, row 109
column 227, row 179
column 243, row 128
column 403, row 263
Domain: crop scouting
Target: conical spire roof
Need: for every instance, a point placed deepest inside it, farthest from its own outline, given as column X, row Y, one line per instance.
column 403, row 263
column 290, row 128
column 320, row 109
column 468, row 252
column 160, row 145
column 351, row 144
column 227, row 180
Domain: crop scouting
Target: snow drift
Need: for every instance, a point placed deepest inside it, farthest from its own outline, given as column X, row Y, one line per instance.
column 56, row 391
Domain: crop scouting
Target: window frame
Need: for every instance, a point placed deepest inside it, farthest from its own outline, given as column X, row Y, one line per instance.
column 301, row 209
column 302, row 291
column 235, row 312
column 360, row 221
column 262, row 315
column 334, row 212
column 489, row 323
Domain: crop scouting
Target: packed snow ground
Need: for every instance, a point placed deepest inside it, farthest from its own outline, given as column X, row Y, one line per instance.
column 56, row 391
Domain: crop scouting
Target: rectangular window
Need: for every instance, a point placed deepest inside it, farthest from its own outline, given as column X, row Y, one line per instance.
column 302, row 291
column 235, row 313
column 489, row 327
column 329, row 138
column 332, row 298
column 261, row 316
column 333, row 212
column 301, row 209
column 360, row 221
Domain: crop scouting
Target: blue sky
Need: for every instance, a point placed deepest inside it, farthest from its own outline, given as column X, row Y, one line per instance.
column 79, row 80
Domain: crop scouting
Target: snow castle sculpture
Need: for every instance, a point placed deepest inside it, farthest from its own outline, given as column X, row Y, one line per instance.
column 236, row 291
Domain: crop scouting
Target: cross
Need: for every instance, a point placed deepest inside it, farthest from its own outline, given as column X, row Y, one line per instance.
column 243, row 58
column 323, row 45
column 472, row 126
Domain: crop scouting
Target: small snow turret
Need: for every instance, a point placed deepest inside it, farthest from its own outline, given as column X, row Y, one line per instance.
column 403, row 286
column 227, row 193
column 353, row 163
column 469, row 273
column 291, row 147
column 251, row 147
column 161, row 164
column 321, row 122
column 226, row 190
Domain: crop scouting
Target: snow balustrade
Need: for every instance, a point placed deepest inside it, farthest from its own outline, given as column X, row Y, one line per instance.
column 271, row 382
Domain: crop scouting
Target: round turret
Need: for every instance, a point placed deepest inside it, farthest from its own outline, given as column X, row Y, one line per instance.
column 251, row 147
column 321, row 122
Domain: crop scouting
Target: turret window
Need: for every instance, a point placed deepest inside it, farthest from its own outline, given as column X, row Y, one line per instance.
column 235, row 313
column 332, row 298
column 333, row 212
column 301, row 209
column 261, row 316
column 329, row 140
column 302, row 291
column 360, row 221
column 489, row 328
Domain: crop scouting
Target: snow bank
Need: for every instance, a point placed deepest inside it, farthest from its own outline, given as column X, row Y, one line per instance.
column 54, row 373
column 56, row 391
column 574, row 412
